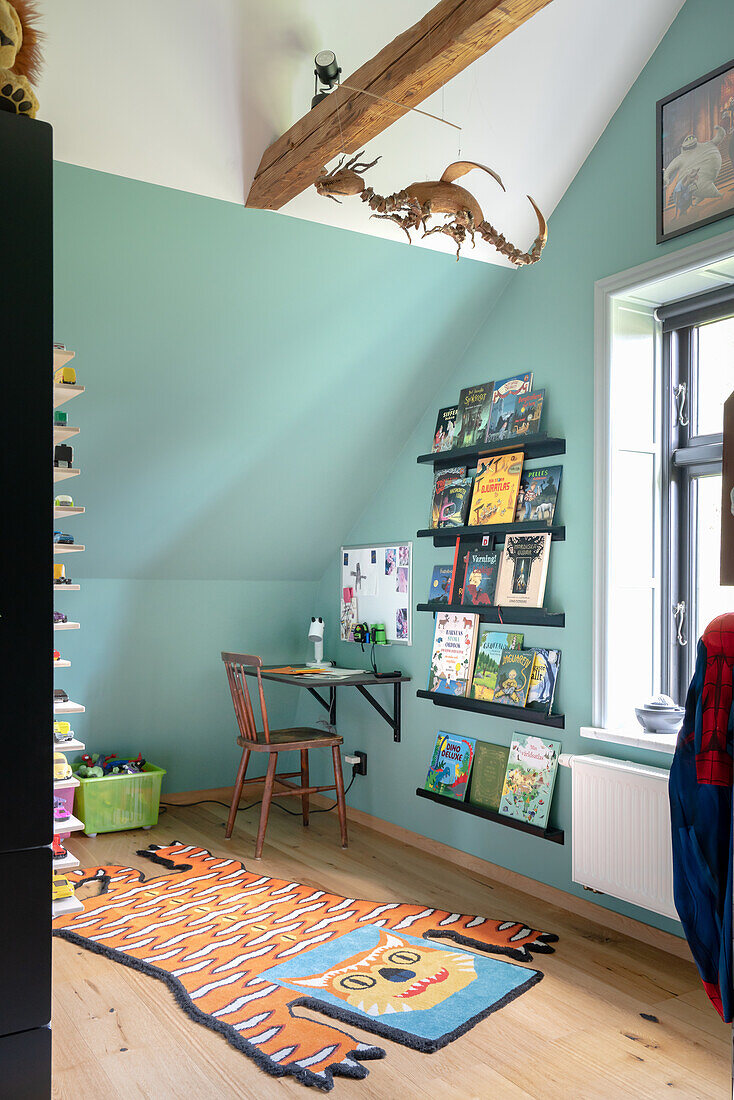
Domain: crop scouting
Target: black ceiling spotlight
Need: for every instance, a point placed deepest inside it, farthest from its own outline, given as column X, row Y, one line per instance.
column 326, row 75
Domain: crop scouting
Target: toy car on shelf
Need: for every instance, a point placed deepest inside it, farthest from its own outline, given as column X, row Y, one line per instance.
column 63, row 500
column 63, row 539
column 60, row 576
column 62, row 768
column 60, row 418
column 58, row 851
column 60, row 617
column 66, row 376
column 61, row 888
column 62, row 732
column 63, row 455
column 60, row 696
column 57, row 655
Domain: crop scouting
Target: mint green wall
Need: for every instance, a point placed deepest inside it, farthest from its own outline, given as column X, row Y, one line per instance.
column 542, row 322
column 250, row 382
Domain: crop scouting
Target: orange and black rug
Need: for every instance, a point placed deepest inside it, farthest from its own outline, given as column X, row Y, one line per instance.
column 248, row 955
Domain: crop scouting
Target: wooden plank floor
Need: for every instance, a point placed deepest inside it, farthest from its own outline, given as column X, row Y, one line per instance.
column 612, row 1017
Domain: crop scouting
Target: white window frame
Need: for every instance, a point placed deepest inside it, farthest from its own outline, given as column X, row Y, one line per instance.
column 606, row 290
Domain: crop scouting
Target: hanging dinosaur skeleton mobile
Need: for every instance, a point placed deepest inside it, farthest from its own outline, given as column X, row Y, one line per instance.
column 412, row 207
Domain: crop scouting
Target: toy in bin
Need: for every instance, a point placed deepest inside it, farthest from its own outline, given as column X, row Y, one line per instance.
column 115, row 793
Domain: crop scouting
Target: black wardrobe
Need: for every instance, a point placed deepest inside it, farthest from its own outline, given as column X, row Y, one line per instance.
column 26, row 606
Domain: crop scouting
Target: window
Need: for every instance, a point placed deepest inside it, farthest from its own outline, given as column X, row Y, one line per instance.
column 670, row 369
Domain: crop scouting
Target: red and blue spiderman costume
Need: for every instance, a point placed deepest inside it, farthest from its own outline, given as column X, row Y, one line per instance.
column 701, row 814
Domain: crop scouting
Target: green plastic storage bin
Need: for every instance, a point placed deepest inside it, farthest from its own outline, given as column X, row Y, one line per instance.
column 119, row 801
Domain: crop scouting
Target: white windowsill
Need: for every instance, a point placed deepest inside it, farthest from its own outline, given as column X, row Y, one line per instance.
column 652, row 742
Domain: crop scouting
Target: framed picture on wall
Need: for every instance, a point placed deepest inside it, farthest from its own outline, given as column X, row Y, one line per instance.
column 695, row 154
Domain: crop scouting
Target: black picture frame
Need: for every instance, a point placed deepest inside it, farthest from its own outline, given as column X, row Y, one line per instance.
column 673, row 216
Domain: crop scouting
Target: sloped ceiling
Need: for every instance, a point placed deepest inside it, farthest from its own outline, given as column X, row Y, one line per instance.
column 188, row 95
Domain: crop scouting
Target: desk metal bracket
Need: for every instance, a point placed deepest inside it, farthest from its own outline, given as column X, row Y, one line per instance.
column 395, row 721
column 330, row 705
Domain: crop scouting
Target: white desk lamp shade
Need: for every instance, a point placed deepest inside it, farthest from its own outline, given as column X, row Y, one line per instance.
column 316, row 635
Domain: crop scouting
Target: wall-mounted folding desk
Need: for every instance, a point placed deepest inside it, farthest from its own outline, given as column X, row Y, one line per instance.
column 361, row 681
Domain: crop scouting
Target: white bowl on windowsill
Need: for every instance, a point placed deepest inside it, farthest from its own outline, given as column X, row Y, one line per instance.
column 657, row 720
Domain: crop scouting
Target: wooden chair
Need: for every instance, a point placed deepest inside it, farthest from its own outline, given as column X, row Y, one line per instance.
column 272, row 742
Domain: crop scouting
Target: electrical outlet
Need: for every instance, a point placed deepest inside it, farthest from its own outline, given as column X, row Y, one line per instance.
column 361, row 768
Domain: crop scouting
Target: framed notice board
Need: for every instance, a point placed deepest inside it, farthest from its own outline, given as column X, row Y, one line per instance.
column 376, row 586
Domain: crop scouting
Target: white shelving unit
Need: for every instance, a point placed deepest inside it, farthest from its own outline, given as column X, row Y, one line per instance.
column 64, row 392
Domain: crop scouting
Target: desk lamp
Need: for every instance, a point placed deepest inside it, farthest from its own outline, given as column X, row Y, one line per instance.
column 316, row 635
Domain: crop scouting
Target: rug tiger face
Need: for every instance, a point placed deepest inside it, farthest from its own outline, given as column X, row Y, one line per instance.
column 245, row 954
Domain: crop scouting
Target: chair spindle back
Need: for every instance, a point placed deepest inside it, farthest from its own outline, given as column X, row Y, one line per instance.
column 235, row 663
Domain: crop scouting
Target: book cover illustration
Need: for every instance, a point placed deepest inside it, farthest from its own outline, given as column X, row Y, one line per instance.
column 538, row 494
column 523, row 571
column 531, row 776
column 347, row 618
column 516, row 385
column 453, row 504
column 461, row 556
column 513, row 677
column 488, row 775
column 528, row 413
column 443, row 437
column 475, row 403
column 495, row 489
column 448, row 772
column 452, row 659
column 502, row 418
column 440, row 584
column 490, row 646
column 543, row 679
column 441, row 481
column 480, row 576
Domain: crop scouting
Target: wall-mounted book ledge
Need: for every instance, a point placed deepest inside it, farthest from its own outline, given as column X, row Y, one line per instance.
column 540, row 445
column 556, row 836
column 506, row 616
column 447, row 536
column 497, row 710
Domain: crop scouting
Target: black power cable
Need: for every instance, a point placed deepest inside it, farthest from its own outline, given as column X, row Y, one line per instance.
column 293, row 813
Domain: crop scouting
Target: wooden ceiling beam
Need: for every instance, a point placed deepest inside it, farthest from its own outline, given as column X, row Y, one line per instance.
column 408, row 70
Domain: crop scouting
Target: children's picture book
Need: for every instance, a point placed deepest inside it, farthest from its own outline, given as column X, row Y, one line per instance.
column 523, row 571
column 480, row 576
column 538, row 493
column 461, row 556
column 474, row 406
column 488, row 775
column 440, row 584
column 516, row 385
column 452, row 504
column 543, row 678
column 490, row 645
column 448, row 772
column 531, row 776
column 452, row 660
column 441, row 481
column 495, row 489
column 528, row 413
column 502, row 418
column 443, row 437
column 513, row 677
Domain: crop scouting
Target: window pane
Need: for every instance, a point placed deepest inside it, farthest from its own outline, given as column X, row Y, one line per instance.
column 715, row 374
column 711, row 598
column 631, row 641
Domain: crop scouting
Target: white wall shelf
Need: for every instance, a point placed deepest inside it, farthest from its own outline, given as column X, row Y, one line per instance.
column 68, row 548
column 65, row 906
column 64, row 392
column 66, row 626
column 61, row 663
column 69, row 708
column 651, row 742
column 67, row 587
column 68, row 863
column 71, row 825
column 63, row 512
column 62, row 432
column 62, row 356
column 61, row 473
column 69, row 746
column 66, row 784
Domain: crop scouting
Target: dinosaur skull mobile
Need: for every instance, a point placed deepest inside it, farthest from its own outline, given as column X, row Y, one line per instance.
column 412, row 207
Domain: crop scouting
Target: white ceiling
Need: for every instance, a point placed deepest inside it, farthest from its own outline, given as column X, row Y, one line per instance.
column 188, row 95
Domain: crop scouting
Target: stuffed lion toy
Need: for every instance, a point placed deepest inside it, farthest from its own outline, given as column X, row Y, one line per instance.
column 20, row 57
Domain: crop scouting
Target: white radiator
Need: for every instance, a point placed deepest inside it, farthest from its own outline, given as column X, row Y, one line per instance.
column 621, row 831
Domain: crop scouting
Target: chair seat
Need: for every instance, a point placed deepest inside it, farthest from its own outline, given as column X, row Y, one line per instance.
column 297, row 737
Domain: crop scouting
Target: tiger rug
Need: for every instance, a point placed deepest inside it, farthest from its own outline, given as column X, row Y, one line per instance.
column 249, row 956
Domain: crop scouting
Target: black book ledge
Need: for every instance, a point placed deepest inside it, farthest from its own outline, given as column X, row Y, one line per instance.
column 499, row 710
column 550, row 833
column 505, row 616
column 538, row 445
column 445, row 536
